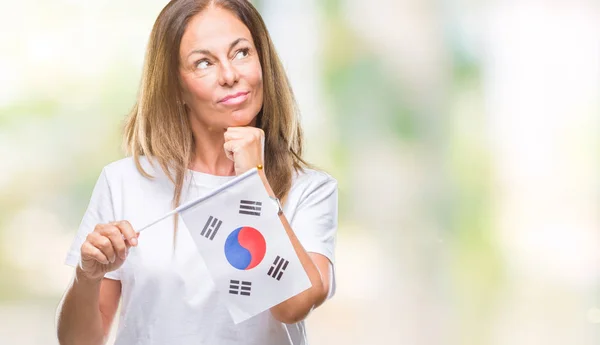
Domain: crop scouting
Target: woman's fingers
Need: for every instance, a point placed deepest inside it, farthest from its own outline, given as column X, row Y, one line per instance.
column 127, row 230
column 245, row 147
column 113, row 233
column 104, row 244
column 248, row 133
column 231, row 135
column 231, row 147
column 121, row 236
column 128, row 242
column 89, row 252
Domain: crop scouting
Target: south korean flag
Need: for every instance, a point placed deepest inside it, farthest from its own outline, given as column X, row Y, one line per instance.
column 237, row 230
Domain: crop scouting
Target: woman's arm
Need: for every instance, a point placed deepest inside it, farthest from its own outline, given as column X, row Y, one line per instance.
column 87, row 310
column 90, row 303
column 245, row 147
column 317, row 268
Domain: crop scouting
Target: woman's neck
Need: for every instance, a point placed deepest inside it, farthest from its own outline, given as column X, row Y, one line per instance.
column 209, row 155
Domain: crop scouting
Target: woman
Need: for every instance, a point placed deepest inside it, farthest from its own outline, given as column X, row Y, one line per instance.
column 214, row 102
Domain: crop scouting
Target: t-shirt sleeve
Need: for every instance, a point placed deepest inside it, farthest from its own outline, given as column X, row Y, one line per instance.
column 100, row 210
column 315, row 221
column 316, row 218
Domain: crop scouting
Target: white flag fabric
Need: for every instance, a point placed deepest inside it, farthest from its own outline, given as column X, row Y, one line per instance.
column 247, row 251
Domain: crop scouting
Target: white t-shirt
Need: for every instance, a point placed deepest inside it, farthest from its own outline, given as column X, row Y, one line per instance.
column 168, row 297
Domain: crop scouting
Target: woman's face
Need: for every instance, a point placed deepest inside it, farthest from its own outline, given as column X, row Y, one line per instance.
column 220, row 70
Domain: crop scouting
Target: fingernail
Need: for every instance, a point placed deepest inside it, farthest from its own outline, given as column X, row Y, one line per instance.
column 133, row 241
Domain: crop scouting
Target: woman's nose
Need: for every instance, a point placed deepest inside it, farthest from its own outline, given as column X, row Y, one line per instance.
column 228, row 74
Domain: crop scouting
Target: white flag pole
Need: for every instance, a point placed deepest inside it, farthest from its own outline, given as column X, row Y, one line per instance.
column 202, row 198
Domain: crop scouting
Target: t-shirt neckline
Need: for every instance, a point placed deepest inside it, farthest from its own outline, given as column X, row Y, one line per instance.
column 204, row 179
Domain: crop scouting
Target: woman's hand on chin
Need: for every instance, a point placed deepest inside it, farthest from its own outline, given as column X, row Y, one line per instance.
column 245, row 147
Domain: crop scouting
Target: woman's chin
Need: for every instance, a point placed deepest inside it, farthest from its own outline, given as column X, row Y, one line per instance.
column 241, row 120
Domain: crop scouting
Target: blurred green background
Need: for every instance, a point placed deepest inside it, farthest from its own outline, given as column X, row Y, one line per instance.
column 464, row 136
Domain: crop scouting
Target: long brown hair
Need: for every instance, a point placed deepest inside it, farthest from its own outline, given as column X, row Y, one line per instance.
column 158, row 125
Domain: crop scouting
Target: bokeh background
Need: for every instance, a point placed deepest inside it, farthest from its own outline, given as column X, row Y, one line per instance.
column 464, row 135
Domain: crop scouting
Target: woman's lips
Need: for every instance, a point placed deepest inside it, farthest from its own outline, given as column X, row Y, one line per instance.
column 235, row 99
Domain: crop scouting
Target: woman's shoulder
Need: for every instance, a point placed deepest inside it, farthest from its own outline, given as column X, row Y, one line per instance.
column 309, row 176
column 127, row 168
column 310, row 181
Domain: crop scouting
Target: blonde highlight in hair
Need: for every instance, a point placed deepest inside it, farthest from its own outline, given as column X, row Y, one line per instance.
column 158, row 126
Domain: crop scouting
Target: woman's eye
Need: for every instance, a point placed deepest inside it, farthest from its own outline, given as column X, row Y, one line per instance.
column 241, row 54
column 203, row 64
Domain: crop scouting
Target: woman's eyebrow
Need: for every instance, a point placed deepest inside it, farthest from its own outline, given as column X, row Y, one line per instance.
column 207, row 52
column 234, row 43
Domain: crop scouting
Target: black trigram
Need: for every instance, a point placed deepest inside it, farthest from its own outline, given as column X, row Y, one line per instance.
column 211, row 227
column 276, row 271
column 251, row 208
column 240, row 288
